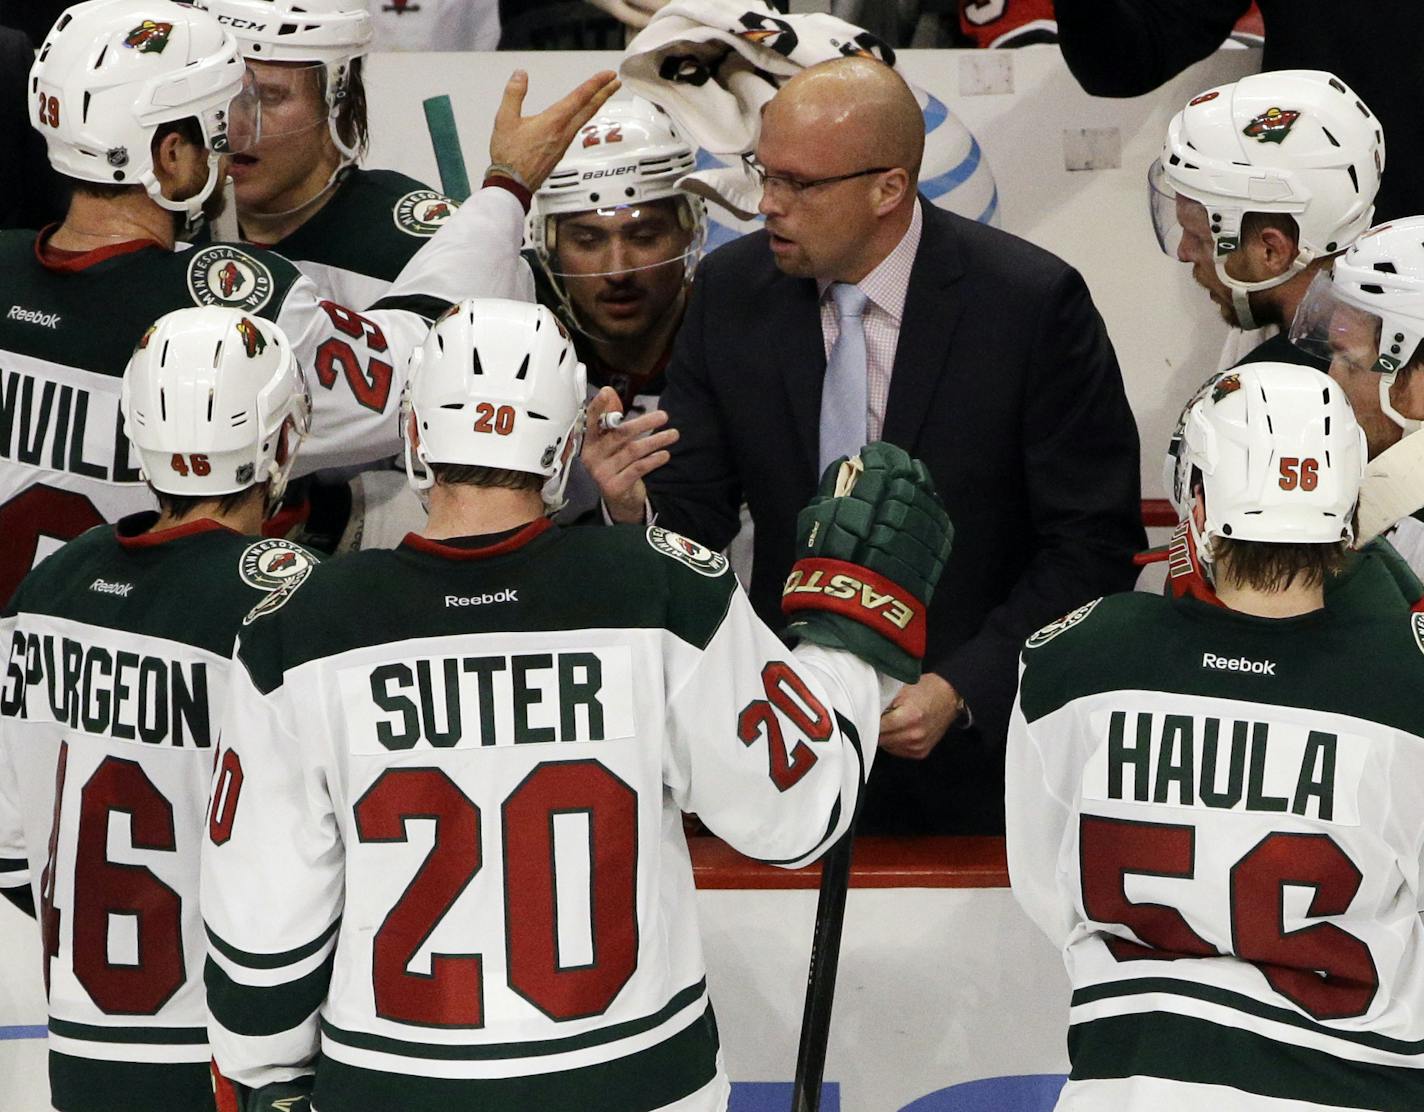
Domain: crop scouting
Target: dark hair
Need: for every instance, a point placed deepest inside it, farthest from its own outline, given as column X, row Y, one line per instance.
column 1254, row 223
column 180, row 505
column 1273, row 566
column 352, row 123
column 187, row 128
column 467, row 474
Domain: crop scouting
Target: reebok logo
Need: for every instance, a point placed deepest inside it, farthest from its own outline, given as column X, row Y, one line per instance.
column 1238, row 664
column 33, row 316
column 104, row 587
column 509, row 594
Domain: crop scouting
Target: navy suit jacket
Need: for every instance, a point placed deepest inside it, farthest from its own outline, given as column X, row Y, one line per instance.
column 1005, row 384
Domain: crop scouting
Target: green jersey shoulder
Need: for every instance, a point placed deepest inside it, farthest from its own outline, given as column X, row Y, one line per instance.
column 620, row 577
column 1366, row 661
column 372, row 226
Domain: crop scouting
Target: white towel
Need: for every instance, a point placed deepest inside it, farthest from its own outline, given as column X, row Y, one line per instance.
column 713, row 64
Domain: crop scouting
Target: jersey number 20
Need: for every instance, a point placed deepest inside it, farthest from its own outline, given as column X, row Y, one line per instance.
column 452, row 993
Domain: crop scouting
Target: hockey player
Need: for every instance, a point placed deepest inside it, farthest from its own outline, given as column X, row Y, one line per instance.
column 1215, row 808
column 1366, row 316
column 116, row 653
column 300, row 189
column 140, row 98
column 616, row 242
column 1259, row 183
column 461, row 763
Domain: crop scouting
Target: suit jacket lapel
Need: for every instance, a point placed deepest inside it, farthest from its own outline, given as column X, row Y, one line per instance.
column 926, row 328
column 801, row 350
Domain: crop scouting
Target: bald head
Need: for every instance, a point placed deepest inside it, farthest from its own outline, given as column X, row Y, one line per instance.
column 861, row 106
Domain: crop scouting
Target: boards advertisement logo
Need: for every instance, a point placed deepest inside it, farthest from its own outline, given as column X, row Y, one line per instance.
column 422, row 212
column 699, row 558
column 230, row 277
column 273, row 563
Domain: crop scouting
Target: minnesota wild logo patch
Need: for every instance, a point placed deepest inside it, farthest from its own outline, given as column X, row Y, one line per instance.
column 1062, row 625
column 1417, row 623
column 230, row 277
column 274, row 563
column 1272, row 125
column 698, row 557
column 422, row 212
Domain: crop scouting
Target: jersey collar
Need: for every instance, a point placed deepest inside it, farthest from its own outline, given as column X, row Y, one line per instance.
column 53, row 258
column 133, row 532
column 455, row 552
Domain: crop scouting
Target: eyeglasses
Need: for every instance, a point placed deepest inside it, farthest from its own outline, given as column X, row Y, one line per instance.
column 795, row 186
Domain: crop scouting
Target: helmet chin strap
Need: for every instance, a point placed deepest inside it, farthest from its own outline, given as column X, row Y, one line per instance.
column 191, row 207
column 553, row 490
column 1241, row 291
column 1408, row 425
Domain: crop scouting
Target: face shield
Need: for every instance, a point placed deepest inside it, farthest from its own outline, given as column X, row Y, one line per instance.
column 290, row 96
column 1355, row 340
column 622, row 264
column 1162, row 205
column 237, row 128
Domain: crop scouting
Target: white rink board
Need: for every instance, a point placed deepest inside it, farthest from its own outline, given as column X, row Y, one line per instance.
column 936, row 987
column 1167, row 334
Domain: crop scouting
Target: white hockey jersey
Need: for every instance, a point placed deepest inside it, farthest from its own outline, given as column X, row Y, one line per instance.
column 462, row 775
column 116, row 654
column 67, row 329
column 1220, row 818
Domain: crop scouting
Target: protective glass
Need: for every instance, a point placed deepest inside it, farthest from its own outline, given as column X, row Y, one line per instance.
column 291, row 97
column 1162, row 204
column 1329, row 327
column 625, row 239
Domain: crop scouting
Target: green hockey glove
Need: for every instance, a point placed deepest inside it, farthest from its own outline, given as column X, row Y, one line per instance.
column 870, row 548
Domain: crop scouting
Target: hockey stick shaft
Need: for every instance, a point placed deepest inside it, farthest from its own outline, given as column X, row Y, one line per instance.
column 449, row 158
column 821, row 979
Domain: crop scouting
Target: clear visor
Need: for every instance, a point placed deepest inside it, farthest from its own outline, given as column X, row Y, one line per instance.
column 291, row 97
column 1162, row 203
column 1331, row 328
column 236, row 128
column 626, row 239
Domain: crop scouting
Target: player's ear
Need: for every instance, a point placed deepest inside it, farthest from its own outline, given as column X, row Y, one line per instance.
column 1278, row 250
column 1199, row 507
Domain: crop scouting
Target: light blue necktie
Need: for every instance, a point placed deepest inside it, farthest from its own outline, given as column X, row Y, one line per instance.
column 843, row 393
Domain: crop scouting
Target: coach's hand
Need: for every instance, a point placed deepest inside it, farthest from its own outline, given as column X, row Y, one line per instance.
column 918, row 717
column 618, row 458
column 533, row 145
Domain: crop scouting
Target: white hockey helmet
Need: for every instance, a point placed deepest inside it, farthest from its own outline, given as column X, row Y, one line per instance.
column 1280, row 454
column 205, row 398
column 330, row 33
column 111, row 71
column 496, row 384
column 1368, row 309
column 629, row 154
column 1298, row 142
